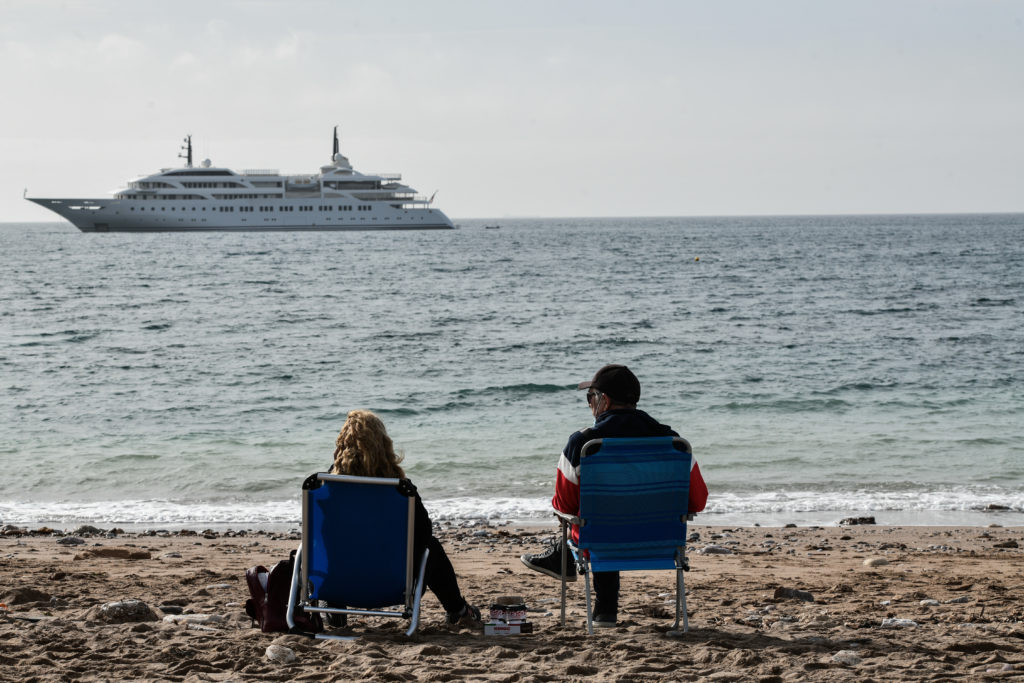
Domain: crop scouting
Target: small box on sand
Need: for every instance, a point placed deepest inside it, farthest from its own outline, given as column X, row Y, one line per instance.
column 503, row 628
column 508, row 617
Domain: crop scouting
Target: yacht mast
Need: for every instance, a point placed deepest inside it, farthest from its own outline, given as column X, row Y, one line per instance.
column 188, row 148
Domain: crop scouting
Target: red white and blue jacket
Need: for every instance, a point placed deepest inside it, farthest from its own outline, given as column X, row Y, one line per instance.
column 621, row 422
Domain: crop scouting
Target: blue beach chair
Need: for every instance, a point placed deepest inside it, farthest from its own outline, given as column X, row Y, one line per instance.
column 633, row 512
column 357, row 550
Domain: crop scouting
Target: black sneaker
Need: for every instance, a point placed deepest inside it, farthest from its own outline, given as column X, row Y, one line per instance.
column 550, row 562
column 467, row 616
column 604, row 620
column 334, row 619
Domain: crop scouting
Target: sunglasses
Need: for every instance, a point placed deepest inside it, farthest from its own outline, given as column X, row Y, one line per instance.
column 591, row 395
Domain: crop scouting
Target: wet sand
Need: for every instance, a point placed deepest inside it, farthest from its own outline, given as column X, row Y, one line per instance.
column 766, row 604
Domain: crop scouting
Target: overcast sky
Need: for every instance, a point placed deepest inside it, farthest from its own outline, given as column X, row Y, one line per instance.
column 531, row 108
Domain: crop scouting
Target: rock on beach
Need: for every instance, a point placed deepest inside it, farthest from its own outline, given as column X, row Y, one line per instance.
column 122, row 612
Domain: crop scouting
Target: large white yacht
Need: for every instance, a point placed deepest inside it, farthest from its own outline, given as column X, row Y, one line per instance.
column 213, row 198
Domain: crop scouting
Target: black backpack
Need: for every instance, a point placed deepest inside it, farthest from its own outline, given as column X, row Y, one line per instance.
column 268, row 605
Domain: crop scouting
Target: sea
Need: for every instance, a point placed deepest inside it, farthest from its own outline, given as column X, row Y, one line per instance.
column 823, row 367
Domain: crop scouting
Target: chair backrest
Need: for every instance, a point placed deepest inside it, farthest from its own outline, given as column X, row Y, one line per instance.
column 633, row 502
column 357, row 540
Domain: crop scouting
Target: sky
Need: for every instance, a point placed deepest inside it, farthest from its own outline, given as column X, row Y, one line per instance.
column 534, row 108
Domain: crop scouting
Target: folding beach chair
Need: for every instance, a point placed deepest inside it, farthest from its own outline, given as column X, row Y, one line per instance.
column 633, row 512
column 357, row 550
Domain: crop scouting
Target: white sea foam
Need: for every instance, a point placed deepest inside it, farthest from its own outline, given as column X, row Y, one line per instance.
column 153, row 514
column 954, row 499
column 945, row 507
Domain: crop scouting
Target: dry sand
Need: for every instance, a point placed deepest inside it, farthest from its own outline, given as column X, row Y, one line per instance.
column 938, row 604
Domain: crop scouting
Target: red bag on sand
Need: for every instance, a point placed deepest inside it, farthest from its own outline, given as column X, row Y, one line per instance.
column 268, row 605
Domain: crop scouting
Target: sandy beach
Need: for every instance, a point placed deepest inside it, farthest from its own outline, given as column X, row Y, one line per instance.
column 766, row 604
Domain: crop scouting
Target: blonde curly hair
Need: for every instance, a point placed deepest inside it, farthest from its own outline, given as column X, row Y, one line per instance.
column 364, row 449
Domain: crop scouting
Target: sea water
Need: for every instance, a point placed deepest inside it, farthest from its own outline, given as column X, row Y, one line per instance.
column 822, row 367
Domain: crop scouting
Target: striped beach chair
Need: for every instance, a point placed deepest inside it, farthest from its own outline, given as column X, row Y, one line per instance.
column 356, row 553
column 633, row 512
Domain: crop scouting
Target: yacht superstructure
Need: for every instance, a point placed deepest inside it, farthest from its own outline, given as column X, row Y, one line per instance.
column 208, row 197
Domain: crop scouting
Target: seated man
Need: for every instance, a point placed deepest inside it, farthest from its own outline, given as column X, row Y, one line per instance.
column 612, row 396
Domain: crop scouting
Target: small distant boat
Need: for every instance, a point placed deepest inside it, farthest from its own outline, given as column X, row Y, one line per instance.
column 207, row 197
column 492, row 227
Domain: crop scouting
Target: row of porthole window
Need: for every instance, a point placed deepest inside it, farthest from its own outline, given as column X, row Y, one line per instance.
column 262, row 208
column 193, row 185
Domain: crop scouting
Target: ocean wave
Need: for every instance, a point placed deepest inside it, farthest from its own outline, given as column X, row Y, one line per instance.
column 953, row 499
column 151, row 514
column 491, row 509
column 892, row 310
column 857, row 386
column 954, row 505
column 130, row 352
column 71, row 337
column 785, row 405
column 986, row 302
column 517, row 389
column 403, row 412
column 122, row 458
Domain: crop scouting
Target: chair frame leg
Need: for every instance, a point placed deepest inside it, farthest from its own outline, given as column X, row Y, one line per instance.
column 565, row 552
column 682, row 599
column 581, row 568
column 419, row 594
column 680, row 605
column 590, row 611
column 293, row 592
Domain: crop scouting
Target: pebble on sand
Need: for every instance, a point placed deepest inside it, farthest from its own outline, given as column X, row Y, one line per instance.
column 876, row 562
column 715, row 550
column 793, row 593
column 194, row 618
column 115, row 553
column 70, row 540
column 280, row 653
column 853, row 521
column 122, row 612
column 847, row 657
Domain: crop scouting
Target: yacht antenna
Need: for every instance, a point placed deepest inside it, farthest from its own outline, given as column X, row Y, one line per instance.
column 187, row 147
column 335, row 143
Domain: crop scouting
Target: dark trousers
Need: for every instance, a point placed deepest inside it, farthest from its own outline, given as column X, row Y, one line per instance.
column 440, row 577
column 606, row 590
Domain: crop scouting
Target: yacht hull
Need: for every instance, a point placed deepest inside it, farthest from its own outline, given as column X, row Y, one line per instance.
column 97, row 215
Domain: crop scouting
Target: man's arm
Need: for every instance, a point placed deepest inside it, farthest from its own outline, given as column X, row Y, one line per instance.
column 698, row 489
column 567, row 487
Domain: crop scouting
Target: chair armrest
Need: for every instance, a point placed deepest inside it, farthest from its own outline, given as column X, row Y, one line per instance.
column 566, row 518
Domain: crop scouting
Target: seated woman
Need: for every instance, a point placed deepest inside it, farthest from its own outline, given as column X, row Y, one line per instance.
column 364, row 449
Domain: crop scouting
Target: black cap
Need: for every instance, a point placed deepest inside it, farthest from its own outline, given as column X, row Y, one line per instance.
column 617, row 382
